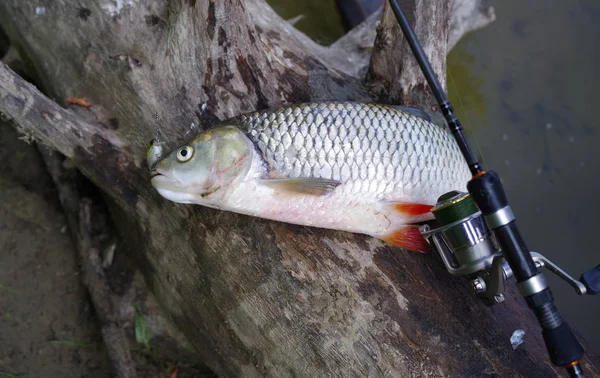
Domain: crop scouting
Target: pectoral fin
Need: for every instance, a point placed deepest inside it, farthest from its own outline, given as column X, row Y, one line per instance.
column 311, row 186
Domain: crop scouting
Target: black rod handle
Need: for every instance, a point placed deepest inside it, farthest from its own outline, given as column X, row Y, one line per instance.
column 488, row 193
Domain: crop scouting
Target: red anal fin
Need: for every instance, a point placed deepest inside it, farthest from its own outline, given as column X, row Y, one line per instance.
column 412, row 209
column 408, row 237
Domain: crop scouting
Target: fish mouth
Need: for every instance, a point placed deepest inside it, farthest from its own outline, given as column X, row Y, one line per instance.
column 171, row 189
column 174, row 190
column 161, row 181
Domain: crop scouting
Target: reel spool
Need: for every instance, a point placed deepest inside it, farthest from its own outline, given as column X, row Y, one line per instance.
column 463, row 239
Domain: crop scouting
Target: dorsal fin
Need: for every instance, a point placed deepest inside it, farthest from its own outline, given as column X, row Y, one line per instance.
column 414, row 111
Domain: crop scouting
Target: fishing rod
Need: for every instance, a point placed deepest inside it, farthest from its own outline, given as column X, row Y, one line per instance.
column 478, row 237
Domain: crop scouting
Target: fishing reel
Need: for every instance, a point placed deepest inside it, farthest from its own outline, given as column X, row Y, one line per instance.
column 468, row 248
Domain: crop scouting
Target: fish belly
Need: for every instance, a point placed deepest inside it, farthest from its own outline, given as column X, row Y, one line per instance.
column 340, row 210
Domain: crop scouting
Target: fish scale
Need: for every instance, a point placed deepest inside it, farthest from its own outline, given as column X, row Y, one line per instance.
column 375, row 146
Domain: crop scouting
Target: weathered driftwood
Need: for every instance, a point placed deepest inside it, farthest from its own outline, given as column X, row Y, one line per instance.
column 255, row 297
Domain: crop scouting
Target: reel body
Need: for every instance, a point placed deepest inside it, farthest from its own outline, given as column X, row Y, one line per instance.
column 468, row 248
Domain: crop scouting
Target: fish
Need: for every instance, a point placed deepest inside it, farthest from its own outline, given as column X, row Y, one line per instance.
column 364, row 168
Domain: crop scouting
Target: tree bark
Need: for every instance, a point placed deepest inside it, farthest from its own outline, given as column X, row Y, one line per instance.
column 255, row 297
column 401, row 80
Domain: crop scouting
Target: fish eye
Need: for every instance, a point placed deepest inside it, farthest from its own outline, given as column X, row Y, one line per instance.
column 185, row 153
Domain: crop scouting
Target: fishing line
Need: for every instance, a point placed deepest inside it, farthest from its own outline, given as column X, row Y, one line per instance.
column 468, row 123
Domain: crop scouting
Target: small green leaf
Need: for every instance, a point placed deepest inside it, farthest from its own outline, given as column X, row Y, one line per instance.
column 71, row 342
column 143, row 333
column 8, row 289
column 350, row 291
column 2, row 374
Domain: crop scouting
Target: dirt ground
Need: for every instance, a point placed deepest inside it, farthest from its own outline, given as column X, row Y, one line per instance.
column 47, row 322
column 47, row 326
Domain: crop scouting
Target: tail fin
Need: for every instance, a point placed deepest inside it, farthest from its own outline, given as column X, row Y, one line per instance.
column 408, row 237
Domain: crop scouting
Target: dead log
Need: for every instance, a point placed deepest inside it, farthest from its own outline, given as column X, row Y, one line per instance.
column 255, row 297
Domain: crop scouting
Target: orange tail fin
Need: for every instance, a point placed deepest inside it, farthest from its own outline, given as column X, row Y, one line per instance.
column 413, row 209
column 408, row 237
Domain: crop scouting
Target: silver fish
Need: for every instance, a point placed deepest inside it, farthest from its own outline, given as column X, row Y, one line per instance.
column 358, row 167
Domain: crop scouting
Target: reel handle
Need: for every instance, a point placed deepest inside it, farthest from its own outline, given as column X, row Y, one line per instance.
column 542, row 261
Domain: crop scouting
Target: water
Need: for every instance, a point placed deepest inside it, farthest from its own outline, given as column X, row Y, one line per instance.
column 526, row 86
column 320, row 18
column 525, row 89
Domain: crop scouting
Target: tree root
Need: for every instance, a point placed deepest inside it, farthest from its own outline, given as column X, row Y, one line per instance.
column 79, row 214
column 102, row 298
